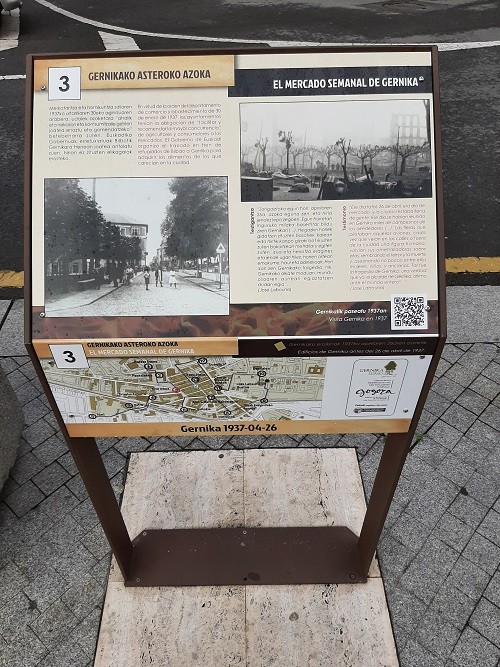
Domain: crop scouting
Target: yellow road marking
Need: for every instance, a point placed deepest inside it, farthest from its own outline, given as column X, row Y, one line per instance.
column 453, row 265
column 11, row 278
column 473, row 265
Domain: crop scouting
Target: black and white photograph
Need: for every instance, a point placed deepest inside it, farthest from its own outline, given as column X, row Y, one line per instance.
column 119, row 247
column 350, row 149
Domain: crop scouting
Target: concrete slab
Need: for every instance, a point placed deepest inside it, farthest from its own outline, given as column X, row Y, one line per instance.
column 473, row 314
column 253, row 625
column 12, row 332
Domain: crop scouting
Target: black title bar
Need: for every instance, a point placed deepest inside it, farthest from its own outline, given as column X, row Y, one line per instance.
column 330, row 81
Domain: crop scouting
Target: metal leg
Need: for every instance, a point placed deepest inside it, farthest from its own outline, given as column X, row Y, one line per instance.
column 90, row 466
column 396, row 448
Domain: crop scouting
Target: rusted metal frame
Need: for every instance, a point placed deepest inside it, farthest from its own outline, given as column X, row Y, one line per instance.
column 244, row 556
column 398, row 445
column 88, row 458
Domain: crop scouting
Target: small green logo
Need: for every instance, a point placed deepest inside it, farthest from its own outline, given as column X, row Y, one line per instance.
column 391, row 366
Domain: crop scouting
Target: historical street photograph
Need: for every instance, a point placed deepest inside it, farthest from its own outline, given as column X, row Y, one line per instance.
column 119, row 247
column 340, row 149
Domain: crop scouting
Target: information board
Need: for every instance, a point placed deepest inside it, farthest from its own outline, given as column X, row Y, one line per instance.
column 235, row 242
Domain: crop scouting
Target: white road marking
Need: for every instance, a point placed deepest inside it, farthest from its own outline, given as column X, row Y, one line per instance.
column 9, row 35
column 443, row 46
column 8, row 77
column 113, row 42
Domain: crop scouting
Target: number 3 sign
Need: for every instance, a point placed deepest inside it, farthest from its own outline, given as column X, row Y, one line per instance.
column 64, row 83
column 69, row 356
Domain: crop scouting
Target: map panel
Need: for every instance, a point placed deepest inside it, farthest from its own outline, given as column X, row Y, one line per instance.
column 180, row 389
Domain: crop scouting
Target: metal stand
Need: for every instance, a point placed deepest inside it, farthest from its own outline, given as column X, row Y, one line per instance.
column 232, row 556
column 236, row 556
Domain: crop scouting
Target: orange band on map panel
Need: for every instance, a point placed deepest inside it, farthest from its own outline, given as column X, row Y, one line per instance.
column 239, row 428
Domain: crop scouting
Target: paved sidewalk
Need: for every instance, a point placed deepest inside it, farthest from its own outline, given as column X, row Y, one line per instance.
column 440, row 551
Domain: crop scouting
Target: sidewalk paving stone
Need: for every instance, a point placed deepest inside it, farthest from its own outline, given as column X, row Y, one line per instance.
column 484, row 434
column 468, row 578
column 26, row 651
column 455, row 469
column 459, row 417
column 453, row 605
column 472, row 401
column 484, row 553
column 492, row 591
column 470, row 646
column 485, row 387
column 486, row 620
column 492, row 372
column 484, row 488
column 467, row 509
column 437, row 635
column 67, row 654
column 416, row 655
column 51, row 478
column 12, row 332
column 462, row 375
column 24, row 498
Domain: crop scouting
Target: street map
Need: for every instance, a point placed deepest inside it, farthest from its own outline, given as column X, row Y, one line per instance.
column 183, row 389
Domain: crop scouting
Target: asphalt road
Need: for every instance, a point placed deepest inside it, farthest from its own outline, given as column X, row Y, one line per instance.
column 470, row 89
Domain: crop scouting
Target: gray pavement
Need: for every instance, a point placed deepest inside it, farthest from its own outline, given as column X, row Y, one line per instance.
column 440, row 550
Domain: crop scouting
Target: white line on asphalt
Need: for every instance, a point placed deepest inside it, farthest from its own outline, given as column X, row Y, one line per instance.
column 8, row 77
column 113, row 42
column 443, row 46
column 10, row 30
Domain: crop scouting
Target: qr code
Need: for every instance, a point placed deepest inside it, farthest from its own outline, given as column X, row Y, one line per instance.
column 408, row 311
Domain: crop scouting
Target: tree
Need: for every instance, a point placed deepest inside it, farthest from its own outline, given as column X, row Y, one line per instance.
column 328, row 152
column 298, row 150
column 287, row 139
column 367, row 152
column 196, row 219
column 245, row 150
column 262, row 146
column 344, row 148
column 75, row 228
column 280, row 151
column 404, row 151
column 311, row 152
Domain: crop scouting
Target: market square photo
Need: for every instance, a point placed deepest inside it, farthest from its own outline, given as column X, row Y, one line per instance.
column 119, row 247
column 349, row 149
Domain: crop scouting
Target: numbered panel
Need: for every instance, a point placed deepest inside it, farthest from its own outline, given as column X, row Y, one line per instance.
column 64, row 83
column 69, row 356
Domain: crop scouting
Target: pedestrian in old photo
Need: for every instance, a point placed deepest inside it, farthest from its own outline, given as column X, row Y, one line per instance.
column 98, row 278
column 158, row 278
column 172, row 281
column 146, row 277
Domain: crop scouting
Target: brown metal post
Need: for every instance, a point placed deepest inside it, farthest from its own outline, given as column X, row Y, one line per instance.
column 91, row 468
column 396, row 448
